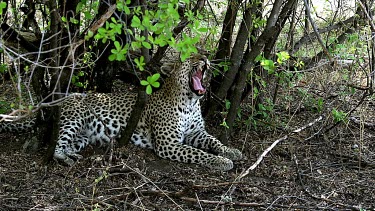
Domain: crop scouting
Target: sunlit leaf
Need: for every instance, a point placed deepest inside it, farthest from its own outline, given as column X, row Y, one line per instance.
column 149, row 89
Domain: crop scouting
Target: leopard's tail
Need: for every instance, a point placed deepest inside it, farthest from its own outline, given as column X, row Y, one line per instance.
column 17, row 127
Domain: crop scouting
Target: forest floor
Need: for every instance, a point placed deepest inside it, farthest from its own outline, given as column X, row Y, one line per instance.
column 338, row 174
column 332, row 171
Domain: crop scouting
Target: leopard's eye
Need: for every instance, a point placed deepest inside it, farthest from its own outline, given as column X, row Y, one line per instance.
column 204, row 59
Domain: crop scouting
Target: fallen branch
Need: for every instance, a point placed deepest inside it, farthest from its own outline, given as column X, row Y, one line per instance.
column 251, row 204
column 261, row 157
column 359, row 122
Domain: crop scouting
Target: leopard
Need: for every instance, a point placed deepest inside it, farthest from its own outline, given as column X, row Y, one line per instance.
column 171, row 123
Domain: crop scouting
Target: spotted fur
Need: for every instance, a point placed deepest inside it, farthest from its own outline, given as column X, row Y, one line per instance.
column 171, row 122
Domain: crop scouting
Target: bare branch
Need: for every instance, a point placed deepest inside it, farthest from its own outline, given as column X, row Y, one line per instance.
column 312, row 36
column 367, row 15
column 316, row 31
column 261, row 157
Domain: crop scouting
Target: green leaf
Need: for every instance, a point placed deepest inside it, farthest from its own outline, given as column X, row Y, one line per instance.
column 184, row 56
column 120, row 56
column 259, row 58
column 112, row 57
column 136, row 45
column 117, row 45
column 140, row 63
column 156, row 84
column 126, row 10
column 88, row 15
column 3, row 68
column 73, row 20
column 204, row 30
column 146, row 22
column 161, row 41
column 102, row 30
column 146, row 45
column 268, row 65
column 89, row 35
column 227, row 104
column 150, row 39
column 339, row 116
column 149, row 89
column 224, row 124
column 154, row 77
column 140, row 38
column 79, row 7
column 3, row 5
column 136, row 23
column 144, row 83
column 282, row 57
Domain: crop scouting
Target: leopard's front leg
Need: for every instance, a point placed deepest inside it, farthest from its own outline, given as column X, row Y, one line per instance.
column 173, row 150
column 202, row 140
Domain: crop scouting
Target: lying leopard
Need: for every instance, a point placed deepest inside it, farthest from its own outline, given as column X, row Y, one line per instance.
column 171, row 123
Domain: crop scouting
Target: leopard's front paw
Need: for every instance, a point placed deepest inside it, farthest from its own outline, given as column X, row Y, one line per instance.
column 231, row 153
column 220, row 163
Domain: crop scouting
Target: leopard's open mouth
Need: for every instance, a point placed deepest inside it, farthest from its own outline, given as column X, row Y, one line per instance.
column 196, row 79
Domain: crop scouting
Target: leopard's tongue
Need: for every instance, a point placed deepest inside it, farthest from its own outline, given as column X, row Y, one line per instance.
column 197, row 85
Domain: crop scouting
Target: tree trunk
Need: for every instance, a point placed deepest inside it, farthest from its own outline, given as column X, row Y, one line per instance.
column 55, row 111
column 235, row 60
column 222, row 54
column 235, row 99
column 274, row 25
column 225, row 41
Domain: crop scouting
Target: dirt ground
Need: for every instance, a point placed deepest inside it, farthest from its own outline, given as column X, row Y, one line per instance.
column 335, row 173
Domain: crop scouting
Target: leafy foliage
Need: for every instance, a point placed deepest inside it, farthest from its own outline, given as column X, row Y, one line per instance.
column 151, row 82
column 119, row 53
column 339, row 116
column 2, row 7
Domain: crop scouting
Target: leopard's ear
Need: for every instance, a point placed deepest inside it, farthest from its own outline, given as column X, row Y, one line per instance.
column 168, row 69
column 203, row 51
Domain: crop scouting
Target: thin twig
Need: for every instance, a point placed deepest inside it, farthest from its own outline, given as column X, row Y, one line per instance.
column 265, row 152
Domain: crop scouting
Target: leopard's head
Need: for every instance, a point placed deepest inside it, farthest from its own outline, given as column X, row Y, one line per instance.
column 199, row 76
column 193, row 75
